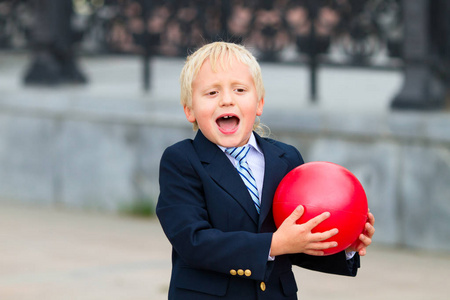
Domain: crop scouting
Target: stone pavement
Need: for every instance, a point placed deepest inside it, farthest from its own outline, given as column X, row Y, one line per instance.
column 53, row 254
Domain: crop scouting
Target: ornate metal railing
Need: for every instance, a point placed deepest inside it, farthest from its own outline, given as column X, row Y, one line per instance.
column 361, row 32
column 368, row 33
column 16, row 18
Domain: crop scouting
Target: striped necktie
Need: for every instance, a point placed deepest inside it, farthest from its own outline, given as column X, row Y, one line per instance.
column 240, row 154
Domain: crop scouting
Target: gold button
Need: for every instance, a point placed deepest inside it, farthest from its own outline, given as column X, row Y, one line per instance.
column 262, row 286
column 240, row 272
column 233, row 272
column 248, row 273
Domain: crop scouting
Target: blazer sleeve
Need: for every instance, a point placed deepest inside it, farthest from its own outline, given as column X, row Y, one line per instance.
column 183, row 214
column 333, row 264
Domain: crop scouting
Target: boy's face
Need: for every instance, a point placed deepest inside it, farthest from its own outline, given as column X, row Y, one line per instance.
column 225, row 104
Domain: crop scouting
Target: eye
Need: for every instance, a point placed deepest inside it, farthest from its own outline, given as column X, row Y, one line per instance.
column 212, row 93
column 240, row 90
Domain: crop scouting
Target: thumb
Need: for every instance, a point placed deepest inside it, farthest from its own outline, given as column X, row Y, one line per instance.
column 296, row 214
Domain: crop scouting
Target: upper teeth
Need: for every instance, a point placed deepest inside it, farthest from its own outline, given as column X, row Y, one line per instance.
column 226, row 117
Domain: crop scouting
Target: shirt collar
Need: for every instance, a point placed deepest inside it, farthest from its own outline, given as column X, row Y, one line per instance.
column 251, row 142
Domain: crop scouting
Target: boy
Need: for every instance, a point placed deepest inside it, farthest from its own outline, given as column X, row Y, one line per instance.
column 215, row 199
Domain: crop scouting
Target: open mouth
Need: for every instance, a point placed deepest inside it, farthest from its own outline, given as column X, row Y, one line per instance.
column 228, row 123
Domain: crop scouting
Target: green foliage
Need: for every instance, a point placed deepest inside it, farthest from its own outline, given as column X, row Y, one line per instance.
column 140, row 207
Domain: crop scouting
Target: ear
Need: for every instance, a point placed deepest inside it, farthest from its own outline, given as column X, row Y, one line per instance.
column 259, row 107
column 189, row 114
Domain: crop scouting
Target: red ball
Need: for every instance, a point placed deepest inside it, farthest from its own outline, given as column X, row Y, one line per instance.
column 324, row 187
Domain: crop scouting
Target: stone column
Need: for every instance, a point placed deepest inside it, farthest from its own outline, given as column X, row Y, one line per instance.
column 53, row 42
column 422, row 88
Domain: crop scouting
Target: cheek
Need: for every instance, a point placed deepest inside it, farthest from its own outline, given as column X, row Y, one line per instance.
column 205, row 118
column 252, row 111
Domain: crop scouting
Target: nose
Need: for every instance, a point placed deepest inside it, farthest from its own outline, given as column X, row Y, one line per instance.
column 226, row 99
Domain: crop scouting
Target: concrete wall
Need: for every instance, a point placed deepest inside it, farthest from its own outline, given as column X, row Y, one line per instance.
column 104, row 156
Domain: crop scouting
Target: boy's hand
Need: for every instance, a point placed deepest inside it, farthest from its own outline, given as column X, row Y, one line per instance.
column 365, row 238
column 298, row 238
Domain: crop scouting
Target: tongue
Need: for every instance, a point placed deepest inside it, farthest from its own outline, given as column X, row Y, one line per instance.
column 228, row 124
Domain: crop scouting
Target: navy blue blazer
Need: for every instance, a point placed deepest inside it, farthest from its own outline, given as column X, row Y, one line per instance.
column 220, row 243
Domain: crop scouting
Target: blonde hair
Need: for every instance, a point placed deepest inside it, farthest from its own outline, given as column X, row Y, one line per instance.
column 219, row 53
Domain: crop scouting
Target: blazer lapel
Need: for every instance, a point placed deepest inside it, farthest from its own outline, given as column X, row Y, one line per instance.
column 275, row 170
column 224, row 174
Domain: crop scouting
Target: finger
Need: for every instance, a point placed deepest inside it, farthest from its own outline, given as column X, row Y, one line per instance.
column 362, row 252
column 295, row 215
column 366, row 241
column 317, row 220
column 371, row 218
column 322, row 246
column 369, row 230
column 314, row 252
column 321, row 236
